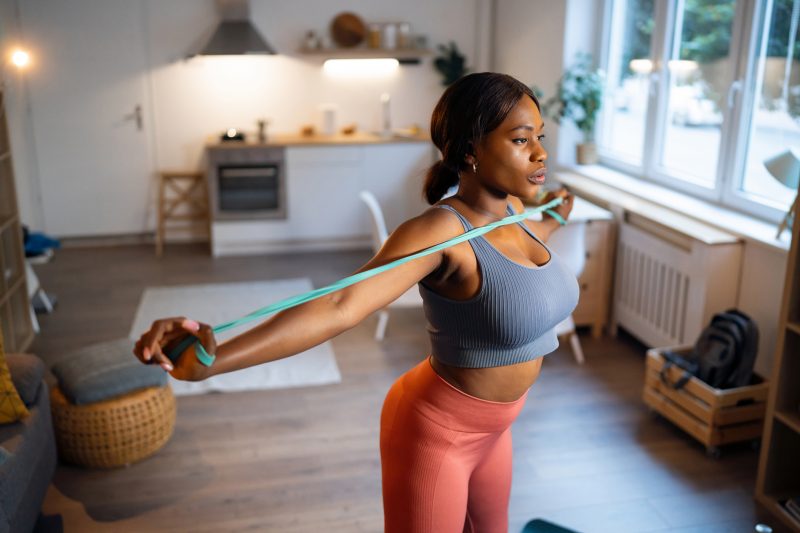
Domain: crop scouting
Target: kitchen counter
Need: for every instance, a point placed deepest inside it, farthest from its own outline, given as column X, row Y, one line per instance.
column 279, row 140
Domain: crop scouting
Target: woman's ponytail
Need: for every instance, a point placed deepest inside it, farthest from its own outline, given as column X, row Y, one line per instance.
column 439, row 179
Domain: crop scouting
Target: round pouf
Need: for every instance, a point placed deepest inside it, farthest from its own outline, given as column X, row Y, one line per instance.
column 114, row 432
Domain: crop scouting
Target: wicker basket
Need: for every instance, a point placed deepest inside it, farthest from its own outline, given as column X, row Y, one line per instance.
column 114, row 432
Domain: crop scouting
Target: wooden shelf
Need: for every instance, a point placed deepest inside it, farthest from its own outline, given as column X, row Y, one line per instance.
column 15, row 316
column 401, row 54
column 6, row 222
column 790, row 419
column 779, row 463
column 12, row 286
column 773, row 504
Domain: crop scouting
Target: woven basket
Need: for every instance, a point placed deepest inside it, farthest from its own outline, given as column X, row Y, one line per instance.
column 115, row 432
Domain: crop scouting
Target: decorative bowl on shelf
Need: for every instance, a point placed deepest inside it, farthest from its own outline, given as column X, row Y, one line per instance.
column 348, row 30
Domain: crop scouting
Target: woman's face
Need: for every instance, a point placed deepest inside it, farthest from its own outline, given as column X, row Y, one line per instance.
column 511, row 159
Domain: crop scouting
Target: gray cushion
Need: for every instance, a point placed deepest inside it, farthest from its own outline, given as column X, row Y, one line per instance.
column 103, row 371
column 27, row 373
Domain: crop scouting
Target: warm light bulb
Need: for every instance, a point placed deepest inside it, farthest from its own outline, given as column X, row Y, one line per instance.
column 360, row 67
column 20, row 58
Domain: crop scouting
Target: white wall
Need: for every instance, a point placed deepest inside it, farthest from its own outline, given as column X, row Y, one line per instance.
column 201, row 97
column 528, row 44
column 761, row 291
column 190, row 102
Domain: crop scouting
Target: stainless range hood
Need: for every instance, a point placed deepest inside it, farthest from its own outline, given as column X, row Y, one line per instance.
column 235, row 35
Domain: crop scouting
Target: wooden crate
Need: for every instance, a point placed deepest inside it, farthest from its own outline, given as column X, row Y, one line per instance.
column 712, row 416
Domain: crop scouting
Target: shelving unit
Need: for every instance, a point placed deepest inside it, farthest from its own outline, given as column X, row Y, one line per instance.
column 15, row 317
column 779, row 464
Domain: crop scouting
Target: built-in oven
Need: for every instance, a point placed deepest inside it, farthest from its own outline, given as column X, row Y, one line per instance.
column 247, row 182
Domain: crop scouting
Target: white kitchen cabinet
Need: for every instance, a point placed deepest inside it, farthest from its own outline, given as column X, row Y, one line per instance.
column 322, row 186
column 400, row 199
column 324, row 211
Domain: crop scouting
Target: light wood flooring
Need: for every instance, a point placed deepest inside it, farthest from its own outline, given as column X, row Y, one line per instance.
column 588, row 454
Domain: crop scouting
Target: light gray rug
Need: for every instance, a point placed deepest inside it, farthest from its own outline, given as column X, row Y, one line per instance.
column 221, row 302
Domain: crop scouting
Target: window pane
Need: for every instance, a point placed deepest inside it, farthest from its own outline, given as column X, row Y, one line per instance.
column 698, row 82
column 625, row 96
column 775, row 122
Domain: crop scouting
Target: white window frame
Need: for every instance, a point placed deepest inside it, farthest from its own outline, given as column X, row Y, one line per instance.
column 747, row 35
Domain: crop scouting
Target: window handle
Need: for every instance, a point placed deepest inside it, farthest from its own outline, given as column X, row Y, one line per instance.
column 733, row 90
column 654, row 80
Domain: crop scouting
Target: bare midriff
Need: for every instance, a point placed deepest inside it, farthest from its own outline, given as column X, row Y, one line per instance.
column 496, row 384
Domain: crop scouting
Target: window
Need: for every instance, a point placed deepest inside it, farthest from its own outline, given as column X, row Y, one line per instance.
column 700, row 93
column 627, row 70
column 773, row 120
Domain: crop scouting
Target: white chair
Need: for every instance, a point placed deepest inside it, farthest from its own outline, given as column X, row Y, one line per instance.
column 35, row 291
column 569, row 243
column 410, row 298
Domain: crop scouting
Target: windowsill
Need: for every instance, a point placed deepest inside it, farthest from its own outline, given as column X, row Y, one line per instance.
column 615, row 185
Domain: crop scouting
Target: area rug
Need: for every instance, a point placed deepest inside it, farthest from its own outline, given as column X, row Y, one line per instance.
column 221, row 302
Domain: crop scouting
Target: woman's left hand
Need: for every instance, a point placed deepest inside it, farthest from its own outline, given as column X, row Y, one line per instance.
column 566, row 206
column 165, row 335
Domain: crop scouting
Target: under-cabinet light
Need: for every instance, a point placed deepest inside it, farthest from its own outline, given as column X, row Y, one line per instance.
column 360, row 67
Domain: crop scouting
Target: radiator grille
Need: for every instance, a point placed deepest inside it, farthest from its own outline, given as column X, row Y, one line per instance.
column 653, row 290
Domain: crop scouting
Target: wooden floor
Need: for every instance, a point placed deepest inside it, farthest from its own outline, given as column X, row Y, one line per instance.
column 588, row 454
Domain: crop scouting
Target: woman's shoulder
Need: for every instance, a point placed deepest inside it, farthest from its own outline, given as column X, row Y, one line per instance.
column 431, row 227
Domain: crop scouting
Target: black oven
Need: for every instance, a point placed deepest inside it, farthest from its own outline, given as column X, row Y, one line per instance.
column 247, row 182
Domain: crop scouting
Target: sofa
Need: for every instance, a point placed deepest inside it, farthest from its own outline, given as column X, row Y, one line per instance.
column 28, row 448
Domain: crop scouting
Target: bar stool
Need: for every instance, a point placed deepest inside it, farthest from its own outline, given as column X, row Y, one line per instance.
column 181, row 188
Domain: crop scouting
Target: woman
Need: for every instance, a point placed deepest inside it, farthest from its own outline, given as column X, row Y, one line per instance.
column 491, row 304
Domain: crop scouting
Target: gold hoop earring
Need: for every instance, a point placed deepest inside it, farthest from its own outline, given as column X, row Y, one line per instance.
column 474, row 168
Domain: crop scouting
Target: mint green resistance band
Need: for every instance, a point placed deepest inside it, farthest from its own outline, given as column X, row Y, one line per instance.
column 207, row 359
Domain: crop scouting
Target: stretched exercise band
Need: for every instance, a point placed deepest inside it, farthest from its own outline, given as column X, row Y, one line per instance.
column 207, row 359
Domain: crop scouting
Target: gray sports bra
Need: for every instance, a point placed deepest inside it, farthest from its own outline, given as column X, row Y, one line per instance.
column 512, row 317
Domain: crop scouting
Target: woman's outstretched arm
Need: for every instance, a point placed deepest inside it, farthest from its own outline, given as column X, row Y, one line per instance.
column 297, row 329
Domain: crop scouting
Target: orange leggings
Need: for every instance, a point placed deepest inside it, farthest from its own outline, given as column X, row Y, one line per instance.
column 445, row 457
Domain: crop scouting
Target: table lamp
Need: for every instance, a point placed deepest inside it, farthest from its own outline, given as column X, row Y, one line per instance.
column 785, row 167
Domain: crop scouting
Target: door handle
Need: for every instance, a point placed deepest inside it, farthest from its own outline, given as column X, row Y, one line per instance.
column 136, row 116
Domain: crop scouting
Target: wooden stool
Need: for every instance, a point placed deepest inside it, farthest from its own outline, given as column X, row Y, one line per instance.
column 183, row 184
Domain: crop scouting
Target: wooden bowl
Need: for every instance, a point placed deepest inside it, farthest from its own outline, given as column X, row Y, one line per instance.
column 348, row 30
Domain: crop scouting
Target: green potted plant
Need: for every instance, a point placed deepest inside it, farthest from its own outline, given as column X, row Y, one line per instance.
column 579, row 95
column 450, row 63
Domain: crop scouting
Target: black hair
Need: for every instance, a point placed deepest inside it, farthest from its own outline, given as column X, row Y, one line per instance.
column 469, row 109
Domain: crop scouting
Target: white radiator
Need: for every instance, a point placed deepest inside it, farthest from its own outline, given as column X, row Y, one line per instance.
column 669, row 283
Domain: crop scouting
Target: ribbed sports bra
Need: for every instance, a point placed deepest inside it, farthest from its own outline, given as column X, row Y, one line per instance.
column 512, row 317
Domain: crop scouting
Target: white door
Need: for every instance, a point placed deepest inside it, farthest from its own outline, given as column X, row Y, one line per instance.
column 87, row 90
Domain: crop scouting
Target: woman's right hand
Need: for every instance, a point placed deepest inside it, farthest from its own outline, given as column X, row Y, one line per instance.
column 166, row 333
